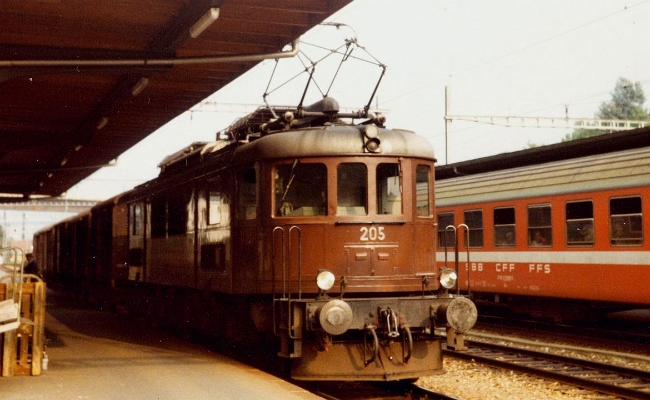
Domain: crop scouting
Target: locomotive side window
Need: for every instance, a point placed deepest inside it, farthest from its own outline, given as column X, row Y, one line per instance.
column 352, row 189
column 446, row 237
column 136, row 219
column 539, row 226
column 300, row 189
column 169, row 213
column 423, row 192
column 178, row 211
column 504, row 227
column 474, row 221
column 214, row 208
column 247, row 194
column 389, row 189
column 625, row 221
column 580, row 223
column 158, row 217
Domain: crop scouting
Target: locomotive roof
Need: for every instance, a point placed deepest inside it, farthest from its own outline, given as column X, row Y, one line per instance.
column 333, row 140
column 614, row 170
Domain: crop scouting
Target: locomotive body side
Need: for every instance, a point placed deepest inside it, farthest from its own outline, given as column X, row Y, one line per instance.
column 544, row 235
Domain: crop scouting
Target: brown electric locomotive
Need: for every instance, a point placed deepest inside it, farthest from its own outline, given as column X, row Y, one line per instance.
column 296, row 226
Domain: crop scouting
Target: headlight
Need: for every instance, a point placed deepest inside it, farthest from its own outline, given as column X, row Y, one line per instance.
column 371, row 131
column 325, row 280
column 372, row 143
column 448, row 278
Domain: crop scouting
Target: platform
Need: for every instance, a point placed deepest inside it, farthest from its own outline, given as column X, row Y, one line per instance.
column 96, row 354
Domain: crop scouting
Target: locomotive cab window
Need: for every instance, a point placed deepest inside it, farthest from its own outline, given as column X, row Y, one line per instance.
column 300, row 189
column 389, row 189
column 625, row 221
column 351, row 189
column 446, row 237
column 474, row 221
column 423, row 191
column 580, row 223
column 504, row 227
column 539, row 226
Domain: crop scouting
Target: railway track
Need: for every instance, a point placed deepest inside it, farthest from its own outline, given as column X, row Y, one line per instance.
column 373, row 391
column 603, row 378
column 633, row 332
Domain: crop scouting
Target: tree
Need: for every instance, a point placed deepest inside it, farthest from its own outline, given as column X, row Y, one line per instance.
column 626, row 104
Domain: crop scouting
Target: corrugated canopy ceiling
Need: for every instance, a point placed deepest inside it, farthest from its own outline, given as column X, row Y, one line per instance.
column 82, row 81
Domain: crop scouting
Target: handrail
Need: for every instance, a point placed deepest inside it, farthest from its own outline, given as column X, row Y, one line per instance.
column 284, row 266
column 297, row 228
column 457, row 231
column 466, row 241
column 11, row 317
column 451, row 228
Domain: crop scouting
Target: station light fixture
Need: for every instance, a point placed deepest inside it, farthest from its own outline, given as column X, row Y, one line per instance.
column 139, row 86
column 102, row 123
column 204, row 22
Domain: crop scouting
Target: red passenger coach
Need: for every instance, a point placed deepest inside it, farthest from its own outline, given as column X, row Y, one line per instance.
column 552, row 238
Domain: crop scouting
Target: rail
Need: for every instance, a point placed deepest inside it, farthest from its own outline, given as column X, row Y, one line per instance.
column 613, row 380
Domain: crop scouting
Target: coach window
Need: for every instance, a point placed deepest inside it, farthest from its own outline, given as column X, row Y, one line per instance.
column 504, row 227
column 423, row 191
column 247, row 194
column 474, row 221
column 300, row 189
column 352, row 189
column 539, row 226
column 625, row 221
column 580, row 223
column 446, row 237
column 389, row 189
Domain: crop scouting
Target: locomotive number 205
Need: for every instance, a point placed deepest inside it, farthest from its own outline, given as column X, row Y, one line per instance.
column 372, row 233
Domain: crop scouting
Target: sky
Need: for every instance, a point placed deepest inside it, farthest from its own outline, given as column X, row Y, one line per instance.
column 497, row 58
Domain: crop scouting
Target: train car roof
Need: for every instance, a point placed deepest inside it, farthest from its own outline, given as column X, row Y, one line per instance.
column 609, row 170
column 602, row 144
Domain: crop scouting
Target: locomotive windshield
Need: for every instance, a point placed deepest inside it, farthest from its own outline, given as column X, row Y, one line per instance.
column 300, row 189
column 389, row 189
column 352, row 189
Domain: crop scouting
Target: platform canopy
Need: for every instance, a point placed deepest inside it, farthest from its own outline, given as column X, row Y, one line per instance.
column 82, row 81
